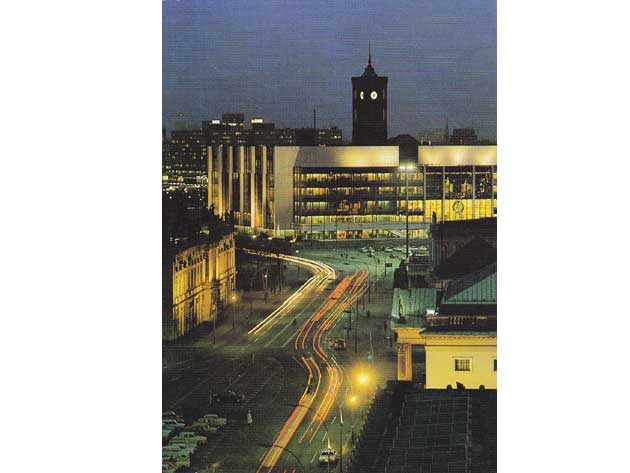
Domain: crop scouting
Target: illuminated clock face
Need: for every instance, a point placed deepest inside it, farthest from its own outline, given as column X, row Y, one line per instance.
column 362, row 95
column 373, row 95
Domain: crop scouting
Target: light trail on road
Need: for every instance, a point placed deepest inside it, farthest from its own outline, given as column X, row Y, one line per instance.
column 347, row 291
column 323, row 274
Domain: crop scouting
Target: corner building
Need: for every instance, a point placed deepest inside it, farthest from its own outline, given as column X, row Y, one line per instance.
column 350, row 191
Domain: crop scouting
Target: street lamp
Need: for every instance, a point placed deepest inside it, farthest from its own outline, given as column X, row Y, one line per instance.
column 353, row 400
column 267, row 445
column 233, row 310
column 323, row 423
column 407, row 168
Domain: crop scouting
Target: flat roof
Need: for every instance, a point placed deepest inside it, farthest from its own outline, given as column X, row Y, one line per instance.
column 346, row 156
column 457, row 155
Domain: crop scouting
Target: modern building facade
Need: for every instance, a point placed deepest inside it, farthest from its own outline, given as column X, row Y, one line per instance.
column 185, row 155
column 185, row 163
column 197, row 282
column 350, row 191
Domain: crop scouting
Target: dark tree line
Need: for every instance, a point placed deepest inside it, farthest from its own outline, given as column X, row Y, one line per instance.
column 184, row 218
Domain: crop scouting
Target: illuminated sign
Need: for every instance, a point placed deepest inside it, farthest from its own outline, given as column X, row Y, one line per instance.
column 216, row 122
column 257, row 120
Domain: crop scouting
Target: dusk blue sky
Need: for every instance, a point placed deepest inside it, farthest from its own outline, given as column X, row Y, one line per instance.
column 279, row 59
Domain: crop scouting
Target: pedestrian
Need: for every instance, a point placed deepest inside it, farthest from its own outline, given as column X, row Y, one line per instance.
column 250, row 421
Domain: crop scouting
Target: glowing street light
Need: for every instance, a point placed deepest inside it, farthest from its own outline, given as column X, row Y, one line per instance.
column 363, row 379
column 233, row 309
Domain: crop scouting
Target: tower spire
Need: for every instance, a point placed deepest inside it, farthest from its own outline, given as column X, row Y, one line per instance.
column 370, row 53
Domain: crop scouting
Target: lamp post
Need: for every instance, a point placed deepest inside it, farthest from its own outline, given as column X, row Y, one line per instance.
column 323, row 423
column 407, row 168
column 340, row 438
column 233, row 311
column 298, row 265
column 267, row 445
column 353, row 401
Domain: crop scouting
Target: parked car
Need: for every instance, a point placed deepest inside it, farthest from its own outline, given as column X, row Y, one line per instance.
column 227, row 397
column 327, row 456
column 169, row 466
column 214, row 419
column 364, row 250
column 175, row 459
column 389, row 249
column 339, row 344
column 172, row 424
column 174, row 453
column 183, row 446
column 204, row 428
column 189, row 437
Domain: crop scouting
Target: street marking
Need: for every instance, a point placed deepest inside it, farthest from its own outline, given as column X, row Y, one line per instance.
column 314, row 455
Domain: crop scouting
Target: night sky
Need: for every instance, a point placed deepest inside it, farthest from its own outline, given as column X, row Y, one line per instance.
column 279, row 59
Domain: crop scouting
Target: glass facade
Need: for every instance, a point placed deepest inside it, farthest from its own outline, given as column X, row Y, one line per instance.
column 354, row 202
column 358, row 203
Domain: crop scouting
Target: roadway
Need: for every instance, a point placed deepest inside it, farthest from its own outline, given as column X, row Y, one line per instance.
column 274, row 362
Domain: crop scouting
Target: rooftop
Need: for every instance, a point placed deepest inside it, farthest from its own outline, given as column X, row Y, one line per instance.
column 479, row 287
column 414, row 301
column 473, row 256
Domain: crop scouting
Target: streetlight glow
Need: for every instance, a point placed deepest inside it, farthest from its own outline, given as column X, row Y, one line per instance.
column 363, row 378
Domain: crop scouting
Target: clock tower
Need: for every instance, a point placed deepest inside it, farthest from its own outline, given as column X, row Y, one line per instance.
column 369, row 107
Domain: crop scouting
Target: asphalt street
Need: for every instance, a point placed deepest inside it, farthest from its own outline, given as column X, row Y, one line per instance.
column 281, row 359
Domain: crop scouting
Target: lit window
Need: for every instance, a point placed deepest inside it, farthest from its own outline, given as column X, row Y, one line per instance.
column 462, row 364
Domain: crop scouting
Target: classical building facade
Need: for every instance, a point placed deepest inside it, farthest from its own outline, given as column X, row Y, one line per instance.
column 350, row 191
column 198, row 281
column 459, row 338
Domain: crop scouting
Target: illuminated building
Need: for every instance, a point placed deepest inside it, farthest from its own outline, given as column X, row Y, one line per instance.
column 350, row 191
column 185, row 155
column 459, row 334
column 197, row 282
column 184, row 163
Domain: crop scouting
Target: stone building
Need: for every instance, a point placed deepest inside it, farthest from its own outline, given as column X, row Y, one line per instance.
column 198, row 280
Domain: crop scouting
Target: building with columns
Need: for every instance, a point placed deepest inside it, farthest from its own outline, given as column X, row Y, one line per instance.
column 350, row 191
